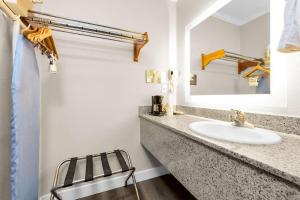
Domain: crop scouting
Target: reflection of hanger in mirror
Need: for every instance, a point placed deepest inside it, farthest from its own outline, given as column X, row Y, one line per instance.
column 257, row 68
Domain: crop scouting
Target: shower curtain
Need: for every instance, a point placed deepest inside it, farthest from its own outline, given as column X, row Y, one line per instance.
column 25, row 123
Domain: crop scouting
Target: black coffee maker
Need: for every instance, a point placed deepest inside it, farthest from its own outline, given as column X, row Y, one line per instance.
column 157, row 106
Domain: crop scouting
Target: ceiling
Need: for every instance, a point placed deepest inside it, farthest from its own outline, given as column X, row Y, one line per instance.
column 240, row 12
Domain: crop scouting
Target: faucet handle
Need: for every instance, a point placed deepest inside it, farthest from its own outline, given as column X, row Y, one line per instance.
column 237, row 116
column 239, row 119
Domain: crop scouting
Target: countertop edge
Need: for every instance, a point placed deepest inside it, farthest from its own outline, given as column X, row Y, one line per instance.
column 269, row 169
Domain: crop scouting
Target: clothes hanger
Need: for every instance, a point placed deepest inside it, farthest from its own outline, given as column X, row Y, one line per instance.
column 26, row 31
column 30, row 34
column 37, row 36
column 256, row 68
column 49, row 41
column 42, row 37
column 34, row 34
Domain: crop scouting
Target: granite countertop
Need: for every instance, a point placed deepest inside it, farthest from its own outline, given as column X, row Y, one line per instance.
column 282, row 159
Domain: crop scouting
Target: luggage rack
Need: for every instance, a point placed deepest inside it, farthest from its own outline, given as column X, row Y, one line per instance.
column 89, row 176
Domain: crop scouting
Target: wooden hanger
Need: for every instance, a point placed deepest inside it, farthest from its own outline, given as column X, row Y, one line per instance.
column 51, row 44
column 47, row 38
column 27, row 30
column 41, row 36
column 256, row 68
column 31, row 35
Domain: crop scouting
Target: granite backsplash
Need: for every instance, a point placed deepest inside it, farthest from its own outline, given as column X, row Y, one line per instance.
column 285, row 124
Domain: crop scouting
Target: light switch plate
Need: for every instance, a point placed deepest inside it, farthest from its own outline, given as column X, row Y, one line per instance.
column 163, row 77
column 164, row 88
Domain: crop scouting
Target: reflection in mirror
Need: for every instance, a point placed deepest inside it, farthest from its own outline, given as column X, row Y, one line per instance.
column 230, row 50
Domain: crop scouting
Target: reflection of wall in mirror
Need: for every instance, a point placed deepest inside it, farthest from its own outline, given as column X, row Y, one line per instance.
column 220, row 77
column 255, row 37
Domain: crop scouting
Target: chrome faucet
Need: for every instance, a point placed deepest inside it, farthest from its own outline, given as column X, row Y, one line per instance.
column 239, row 119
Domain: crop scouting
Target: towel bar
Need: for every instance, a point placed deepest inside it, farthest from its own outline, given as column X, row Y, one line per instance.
column 89, row 176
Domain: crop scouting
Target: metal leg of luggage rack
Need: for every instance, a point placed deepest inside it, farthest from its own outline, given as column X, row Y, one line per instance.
column 54, row 193
column 56, row 178
column 131, row 175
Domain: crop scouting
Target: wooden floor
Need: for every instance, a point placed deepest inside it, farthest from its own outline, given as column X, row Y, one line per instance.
column 160, row 188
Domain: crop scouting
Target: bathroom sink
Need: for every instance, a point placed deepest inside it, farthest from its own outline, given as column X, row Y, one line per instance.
column 226, row 131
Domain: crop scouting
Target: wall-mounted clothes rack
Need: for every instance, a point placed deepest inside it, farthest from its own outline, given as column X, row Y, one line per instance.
column 83, row 28
column 243, row 61
column 33, row 19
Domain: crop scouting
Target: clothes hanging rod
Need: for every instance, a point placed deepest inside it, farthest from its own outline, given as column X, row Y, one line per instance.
column 239, row 56
column 93, row 36
column 92, row 31
column 80, row 21
column 52, row 23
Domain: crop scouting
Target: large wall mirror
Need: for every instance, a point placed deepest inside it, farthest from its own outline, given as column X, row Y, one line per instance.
column 230, row 50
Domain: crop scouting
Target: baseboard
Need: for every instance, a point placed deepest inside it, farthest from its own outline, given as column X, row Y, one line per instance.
column 105, row 185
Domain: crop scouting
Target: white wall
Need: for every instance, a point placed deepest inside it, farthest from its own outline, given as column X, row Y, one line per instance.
column 5, row 97
column 91, row 105
column 288, row 64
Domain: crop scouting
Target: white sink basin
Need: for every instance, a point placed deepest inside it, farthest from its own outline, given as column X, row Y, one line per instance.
column 226, row 131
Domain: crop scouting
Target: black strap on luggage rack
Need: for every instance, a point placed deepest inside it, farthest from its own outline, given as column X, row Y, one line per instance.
column 70, row 173
column 105, row 165
column 89, row 169
column 89, row 176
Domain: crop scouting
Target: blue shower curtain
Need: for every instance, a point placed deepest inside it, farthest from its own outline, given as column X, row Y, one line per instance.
column 25, row 123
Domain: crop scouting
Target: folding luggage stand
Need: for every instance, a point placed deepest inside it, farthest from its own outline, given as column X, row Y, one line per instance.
column 89, row 176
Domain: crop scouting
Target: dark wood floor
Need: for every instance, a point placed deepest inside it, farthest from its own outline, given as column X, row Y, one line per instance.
column 160, row 188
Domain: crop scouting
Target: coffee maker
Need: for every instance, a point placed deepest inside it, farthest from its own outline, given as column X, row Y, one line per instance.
column 157, row 106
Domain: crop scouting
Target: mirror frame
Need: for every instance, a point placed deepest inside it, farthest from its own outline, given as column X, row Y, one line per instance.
column 278, row 96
